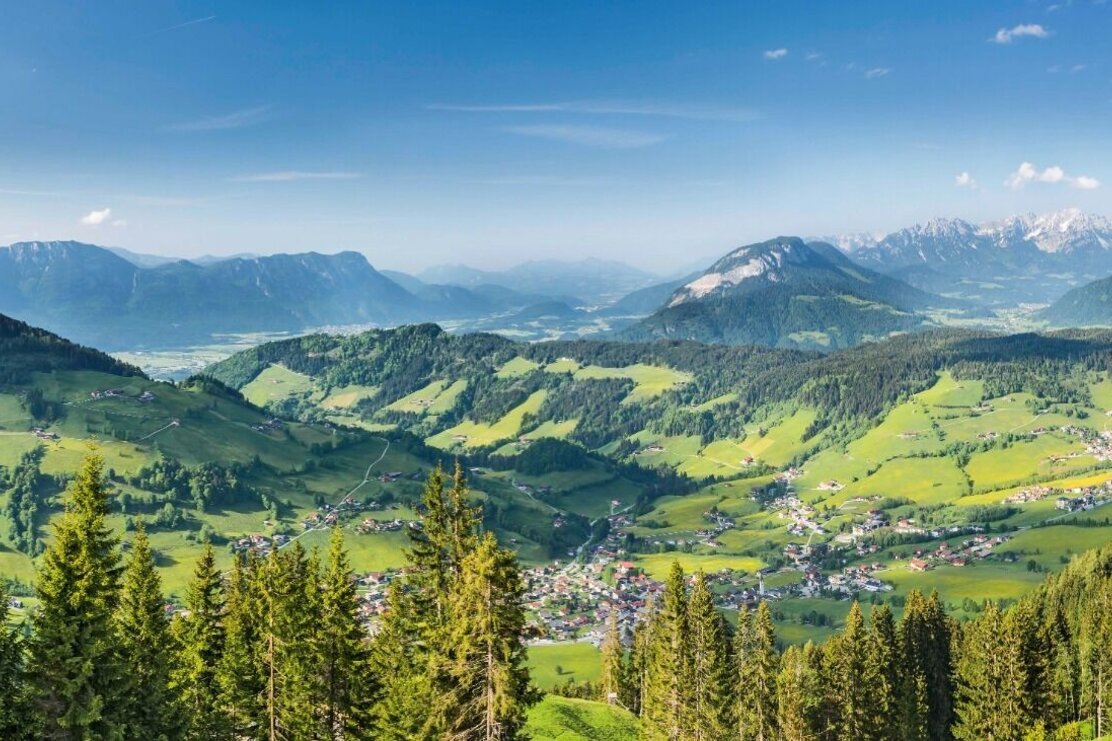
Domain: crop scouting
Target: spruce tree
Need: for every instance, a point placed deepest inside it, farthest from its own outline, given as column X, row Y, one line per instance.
column 15, row 722
column 882, row 670
column 924, row 696
column 347, row 683
column 852, row 683
column 144, row 634
column 756, row 667
column 486, row 660
column 288, row 639
column 80, row 682
column 239, row 674
column 639, row 658
column 404, row 692
column 798, row 694
column 612, row 678
column 708, row 697
column 664, row 707
column 991, row 681
column 1095, row 649
column 200, row 637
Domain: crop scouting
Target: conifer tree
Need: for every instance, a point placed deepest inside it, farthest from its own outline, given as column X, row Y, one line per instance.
column 239, row 673
column 882, row 671
column 639, row 651
column 798, row 694
column 344, row 654
column 487, row 662
column 144, row 639
column 404, row 693
column 1095, row 644
column 79, row 679
column 14, row 720
column 851, row 682
column 756, row 667
column 991, row 681
column 612, row 678
column 664, row 708
column 708, row 697
column 200, row 636
column 288, row 637
column 924, row 696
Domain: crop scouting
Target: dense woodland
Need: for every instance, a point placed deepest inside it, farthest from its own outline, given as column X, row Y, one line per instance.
column 850, row 389
column 274, row 649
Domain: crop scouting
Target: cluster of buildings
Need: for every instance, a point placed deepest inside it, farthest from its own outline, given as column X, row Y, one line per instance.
column 44, row 435
column 260, row 545
column 146, row 397
column 720, row 523
column 978, row 547
column 271, row 425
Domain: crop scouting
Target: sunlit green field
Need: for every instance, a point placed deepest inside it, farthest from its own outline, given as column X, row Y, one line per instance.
column 274, row 384
column 475, row 434
column 553, row 664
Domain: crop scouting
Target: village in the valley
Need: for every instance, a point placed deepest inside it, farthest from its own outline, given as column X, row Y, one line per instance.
column 572, row 599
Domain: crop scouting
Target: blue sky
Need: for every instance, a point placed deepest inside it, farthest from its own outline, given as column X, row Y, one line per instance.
column 483, row 132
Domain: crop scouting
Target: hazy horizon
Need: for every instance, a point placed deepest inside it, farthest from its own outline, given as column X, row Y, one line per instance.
column 491, row 134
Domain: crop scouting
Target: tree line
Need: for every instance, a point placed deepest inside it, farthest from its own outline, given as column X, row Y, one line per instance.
column 1040, row 670
column 275, row 648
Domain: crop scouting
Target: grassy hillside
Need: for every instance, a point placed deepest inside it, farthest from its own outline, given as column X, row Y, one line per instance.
column 566, row 719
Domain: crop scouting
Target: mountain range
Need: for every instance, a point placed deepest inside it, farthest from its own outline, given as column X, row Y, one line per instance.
column 1028, row 258
column 812, row 293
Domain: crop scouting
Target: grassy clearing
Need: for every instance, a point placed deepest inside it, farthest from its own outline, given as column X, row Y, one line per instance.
column 949, row 392
column 476, row 434
column 562, row 365
column 1022, row 460
column 347, row 396
column 276, row 383
column 517, row 366
column 555, row 663
column 565, row 719
column 436, row 398
column 657, row 565
column 555, row 429
column 782, row 440
column 922, row 480
column 649, row 380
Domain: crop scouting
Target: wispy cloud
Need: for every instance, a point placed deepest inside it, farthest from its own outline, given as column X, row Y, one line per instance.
column 176, row 26
column 875, row 72
column 589, row 136
column 1008, row 35
column 814, row 56
column 1028, row 173
column 96, row 217
column 965, row 180
column 776, row 53
column 234, row 120
column 290, row 176
column 604, row 108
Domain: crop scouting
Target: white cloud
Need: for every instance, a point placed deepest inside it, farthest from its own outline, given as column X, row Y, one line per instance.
column 776, row 53
column 589, row 136
column 965, row 180
column 119, row 222
column 1007, row 35
column 813, row 56
column 234, row 120
column 289, row 176
column 876, row 72
column 1028, row 173
column 96, row 218
column 604, row 107
column 1079, row 68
